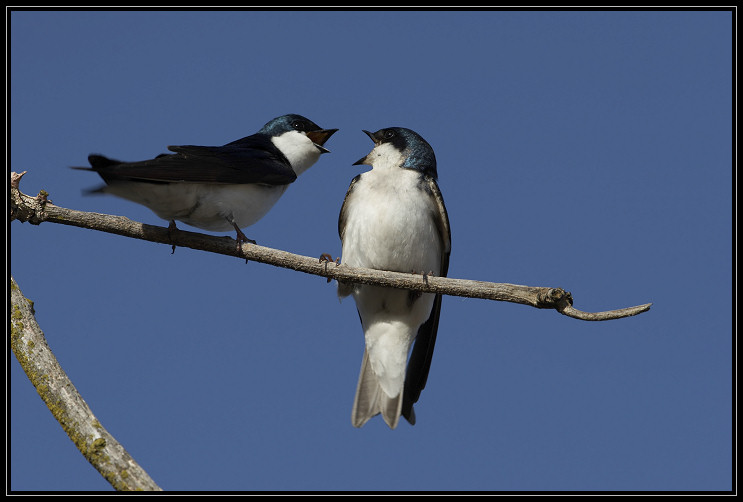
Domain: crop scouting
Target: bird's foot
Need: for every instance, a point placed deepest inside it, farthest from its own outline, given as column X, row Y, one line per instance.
column 426, row 275
column 326, row 258
column 240, row 237
column 172, row 228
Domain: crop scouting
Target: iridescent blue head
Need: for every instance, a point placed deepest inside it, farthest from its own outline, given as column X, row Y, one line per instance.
column 294, row 122
column 415, row 151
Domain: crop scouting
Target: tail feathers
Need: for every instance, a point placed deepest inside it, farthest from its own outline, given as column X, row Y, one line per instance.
column 408, row 412
column 100, row 162
column 97, row 163
column 371, row 400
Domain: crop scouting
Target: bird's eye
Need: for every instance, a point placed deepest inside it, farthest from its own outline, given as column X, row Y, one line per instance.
column 298, row 125
column 389, row 133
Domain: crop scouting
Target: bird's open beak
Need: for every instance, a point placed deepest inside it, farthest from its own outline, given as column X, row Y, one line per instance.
column 363, row 159
column 372, row 136
column 320, row 137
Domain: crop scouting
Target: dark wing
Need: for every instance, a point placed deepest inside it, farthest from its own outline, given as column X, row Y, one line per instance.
column 342, row 215
column 420, row 359
column 344, row 289
column 253, row 159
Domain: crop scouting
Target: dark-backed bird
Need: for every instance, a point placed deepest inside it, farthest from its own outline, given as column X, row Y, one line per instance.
column 218, row 188
column 393, row 218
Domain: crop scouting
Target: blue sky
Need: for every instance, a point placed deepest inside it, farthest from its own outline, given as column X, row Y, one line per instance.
column 585, row 150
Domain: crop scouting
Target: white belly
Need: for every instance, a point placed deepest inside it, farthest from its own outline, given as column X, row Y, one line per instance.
column 206, row 206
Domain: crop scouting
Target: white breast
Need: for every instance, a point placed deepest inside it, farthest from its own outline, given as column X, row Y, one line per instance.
column 390, row 223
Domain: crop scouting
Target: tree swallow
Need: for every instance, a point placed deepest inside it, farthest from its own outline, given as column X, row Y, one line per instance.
column 394, row 218
column 218, row 188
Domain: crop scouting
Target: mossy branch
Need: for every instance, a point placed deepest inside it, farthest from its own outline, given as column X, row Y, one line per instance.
column 29, row 345
column 39, row 209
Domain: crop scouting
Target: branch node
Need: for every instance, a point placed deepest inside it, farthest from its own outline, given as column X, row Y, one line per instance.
column 43, row 197
column 554, row 298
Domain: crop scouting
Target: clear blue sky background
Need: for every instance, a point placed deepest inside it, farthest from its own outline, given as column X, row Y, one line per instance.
column 585, row 150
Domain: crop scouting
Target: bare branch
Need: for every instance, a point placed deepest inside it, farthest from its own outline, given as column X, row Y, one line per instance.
column 68, row 407
column 39, row 209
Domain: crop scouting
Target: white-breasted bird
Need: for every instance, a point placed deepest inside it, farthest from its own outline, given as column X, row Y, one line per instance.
column 218, row 188
column 393, row 218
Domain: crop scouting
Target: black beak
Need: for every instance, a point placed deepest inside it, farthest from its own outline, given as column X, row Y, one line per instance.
column 371, row 136
column 363, row 159
column 320, row 137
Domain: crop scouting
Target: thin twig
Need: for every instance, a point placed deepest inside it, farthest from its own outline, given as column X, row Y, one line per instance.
column 39, row 209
